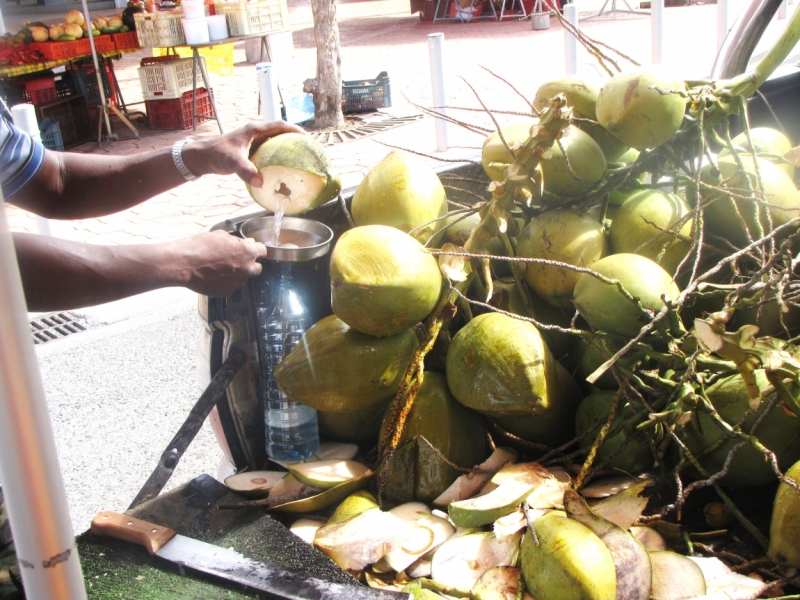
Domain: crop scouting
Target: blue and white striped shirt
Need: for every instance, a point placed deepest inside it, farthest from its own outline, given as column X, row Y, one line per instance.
column 20, row 156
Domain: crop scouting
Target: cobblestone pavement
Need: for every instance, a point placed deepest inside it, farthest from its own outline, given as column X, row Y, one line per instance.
column 499, row 64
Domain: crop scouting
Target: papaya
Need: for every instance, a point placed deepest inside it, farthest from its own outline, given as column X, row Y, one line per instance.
column 566, row 561
column 631, row 457
column 500, row 366
column 338, row 369
column 296, row 171
column 641, row 224
column 567, row 236
column 784, row 530
column 721, row 214
column 382, row 280
column 582, row 97
column 634, row 107
column 605, row 307
column 402, row 192
column 455, row 433
column 778, row 431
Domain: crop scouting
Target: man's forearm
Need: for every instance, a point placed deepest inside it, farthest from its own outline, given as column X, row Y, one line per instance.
column 59, row 275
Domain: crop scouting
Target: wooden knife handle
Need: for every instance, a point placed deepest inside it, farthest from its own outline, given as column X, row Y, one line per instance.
column 123, row 527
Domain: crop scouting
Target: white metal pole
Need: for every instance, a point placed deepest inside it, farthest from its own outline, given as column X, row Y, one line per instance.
column 436, row 52
column 32, row 482
column 570, row 41
column 722, row 21
column 657, row 30
column 2, row 24
column 268, row 89
column 782, row 9
column 101, row 88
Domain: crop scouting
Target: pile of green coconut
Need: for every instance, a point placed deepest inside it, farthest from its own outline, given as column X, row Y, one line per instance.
column 571, row 387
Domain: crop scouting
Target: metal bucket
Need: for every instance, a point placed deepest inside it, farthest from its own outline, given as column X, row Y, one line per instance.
column 540, row 21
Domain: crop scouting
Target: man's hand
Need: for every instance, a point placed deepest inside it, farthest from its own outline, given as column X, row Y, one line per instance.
column 230, row 153
column 218, row 263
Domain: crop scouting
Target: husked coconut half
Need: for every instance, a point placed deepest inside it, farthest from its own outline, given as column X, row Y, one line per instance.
column 327, row 473
column 254, row 483
column 306, row 529
column 297, row 174
column 720, row 580
column 423, row 536
column 675, row 577
column 461, row 561
column 499, row 583
column 336, row 451
column 289, row 489
column 360, row 541
column 468, row 484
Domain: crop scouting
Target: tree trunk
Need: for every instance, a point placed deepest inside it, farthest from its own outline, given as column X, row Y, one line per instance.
column 326, row 89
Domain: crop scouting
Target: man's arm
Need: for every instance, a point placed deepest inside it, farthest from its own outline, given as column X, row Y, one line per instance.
column 60, row 275
column 78, row 186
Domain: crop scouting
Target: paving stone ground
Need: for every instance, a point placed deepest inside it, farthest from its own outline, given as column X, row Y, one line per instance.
column 488, row 63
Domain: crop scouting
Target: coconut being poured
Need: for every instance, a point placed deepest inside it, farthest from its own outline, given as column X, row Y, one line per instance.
column 297, row 176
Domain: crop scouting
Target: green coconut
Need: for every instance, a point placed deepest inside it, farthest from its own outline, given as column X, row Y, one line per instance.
column 722, row 214
column 586, row 165
column 500, row 366
column 605, row 307
column 582, row 97
column 567, row 236
column 401, row 192
column 297, row 174
column 784, row 531
column 338, row 369
column 641, row 224
column 360, row 426
column 769, row 143
column 585, row 360
column 628, row 455
column 507, row 296
column 495, row 155
column 566, row 561
column 382, row 280
column 459, row 226
column 457, row 434
column 778, row 431
column 633, row 108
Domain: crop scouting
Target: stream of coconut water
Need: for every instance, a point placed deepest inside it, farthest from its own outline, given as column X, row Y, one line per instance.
column 281, row 200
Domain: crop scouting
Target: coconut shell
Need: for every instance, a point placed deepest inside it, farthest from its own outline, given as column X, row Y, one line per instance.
column 565, row 236
column 401, row 192
column 456, row 433
column 604, row 306
column 382, row 280
column 638, row 114
column 784, row 531
column 501, row 367
column 337, row 369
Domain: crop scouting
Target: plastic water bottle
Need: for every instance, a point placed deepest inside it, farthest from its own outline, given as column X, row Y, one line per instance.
column 292, row 433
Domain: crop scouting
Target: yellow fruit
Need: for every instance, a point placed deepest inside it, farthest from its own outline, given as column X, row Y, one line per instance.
column 784, row 531
column 768, row 143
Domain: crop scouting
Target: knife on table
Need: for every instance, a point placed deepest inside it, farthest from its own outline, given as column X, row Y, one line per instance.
column 228, row 564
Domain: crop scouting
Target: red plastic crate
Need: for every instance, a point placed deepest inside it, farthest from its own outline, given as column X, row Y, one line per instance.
column 42, row 90
column 57, row 50
column 176, row 113
column 102, row 43
column 126, row 40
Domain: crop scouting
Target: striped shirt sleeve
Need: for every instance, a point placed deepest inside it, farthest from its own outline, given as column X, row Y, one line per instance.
column 21, row 156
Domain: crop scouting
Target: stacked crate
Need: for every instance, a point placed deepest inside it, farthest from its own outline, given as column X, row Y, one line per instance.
column 167, row 89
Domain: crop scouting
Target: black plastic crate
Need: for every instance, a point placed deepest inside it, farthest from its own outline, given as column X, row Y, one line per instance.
column 366, row 94
column 83, row 80
column 12, row 94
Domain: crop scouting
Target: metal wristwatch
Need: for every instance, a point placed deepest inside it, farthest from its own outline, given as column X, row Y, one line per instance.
column 177, row 157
